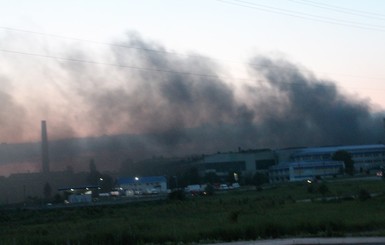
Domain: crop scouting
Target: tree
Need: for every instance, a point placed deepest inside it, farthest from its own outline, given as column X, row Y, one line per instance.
column 260, row 179
column 345, row 157
column 106, row 182
column 191, row 177
column 103, row 181
column 323, row 189
column 94, row 175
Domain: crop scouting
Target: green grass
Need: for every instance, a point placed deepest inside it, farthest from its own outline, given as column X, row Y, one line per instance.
column 229, row 216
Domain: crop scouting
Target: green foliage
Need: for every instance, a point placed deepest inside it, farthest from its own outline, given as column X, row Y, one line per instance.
column 363, row 195
column 260, row 179
column 57, row 198
column 323, row 189
column 177, row 195
column 210, row 190
column 231, row 216
column 190, row 177
column 105, row 181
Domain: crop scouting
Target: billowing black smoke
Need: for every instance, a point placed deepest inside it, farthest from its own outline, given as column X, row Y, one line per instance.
column 309, row 111
column 182, row 102
column 164, row 103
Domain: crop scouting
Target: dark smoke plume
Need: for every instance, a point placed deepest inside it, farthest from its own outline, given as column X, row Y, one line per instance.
column 286, row 106
column 309, row 111
column 156, row 103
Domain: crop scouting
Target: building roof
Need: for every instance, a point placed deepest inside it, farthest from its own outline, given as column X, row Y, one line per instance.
column 147, row 179
column 332, row 149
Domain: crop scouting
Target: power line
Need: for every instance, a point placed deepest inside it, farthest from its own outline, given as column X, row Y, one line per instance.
column 152, row 69
column 108, row 64
column 341, row 9
column 89, row 41
column 158, row 51
column 301, row 15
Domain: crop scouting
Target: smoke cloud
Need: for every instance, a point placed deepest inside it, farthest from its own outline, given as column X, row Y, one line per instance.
column 144, row 102
column 304, row 110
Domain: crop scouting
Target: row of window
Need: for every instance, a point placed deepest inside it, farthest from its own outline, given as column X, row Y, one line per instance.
column 380, row 161
column 300, row 168
column 376, row 154
column 329, row 156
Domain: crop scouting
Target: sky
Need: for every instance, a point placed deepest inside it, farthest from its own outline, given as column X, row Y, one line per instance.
column 80, row 64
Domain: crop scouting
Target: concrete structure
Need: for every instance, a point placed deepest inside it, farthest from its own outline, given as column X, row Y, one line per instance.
column 298, row 171
column 144, row 185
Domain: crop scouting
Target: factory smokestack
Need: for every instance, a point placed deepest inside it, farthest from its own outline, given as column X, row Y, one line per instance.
column 44, row 147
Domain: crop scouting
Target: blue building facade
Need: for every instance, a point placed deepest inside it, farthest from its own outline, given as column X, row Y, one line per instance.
column 312, row 162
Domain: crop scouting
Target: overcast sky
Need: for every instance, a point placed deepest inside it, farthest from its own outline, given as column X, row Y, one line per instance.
column 340, row 41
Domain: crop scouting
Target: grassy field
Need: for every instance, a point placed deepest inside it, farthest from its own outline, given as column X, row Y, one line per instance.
column 289, row 210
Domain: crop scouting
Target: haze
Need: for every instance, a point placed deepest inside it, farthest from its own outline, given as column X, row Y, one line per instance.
column 184, row 78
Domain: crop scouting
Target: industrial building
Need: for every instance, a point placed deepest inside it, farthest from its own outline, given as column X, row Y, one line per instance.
column 308, row 163
column 297, row 171
column 244, row 162
column 365, row 157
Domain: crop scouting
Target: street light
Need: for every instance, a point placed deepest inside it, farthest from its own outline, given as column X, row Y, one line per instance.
column 236, row 177
column 100, row 183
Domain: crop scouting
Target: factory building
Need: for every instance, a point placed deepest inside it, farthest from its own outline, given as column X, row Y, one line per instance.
column 244, row 162
column 365, row 157
column 309, row 163
column 298, row 171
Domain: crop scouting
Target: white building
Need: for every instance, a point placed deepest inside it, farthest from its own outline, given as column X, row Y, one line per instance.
column 298, row 171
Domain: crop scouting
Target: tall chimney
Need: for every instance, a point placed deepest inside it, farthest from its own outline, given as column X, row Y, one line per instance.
column 44, row 147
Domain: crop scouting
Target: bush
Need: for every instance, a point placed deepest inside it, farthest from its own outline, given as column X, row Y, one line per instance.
column 233, row 217
column 363, row 195
column 210, row 190
column 323, row 189
column 177, row 195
